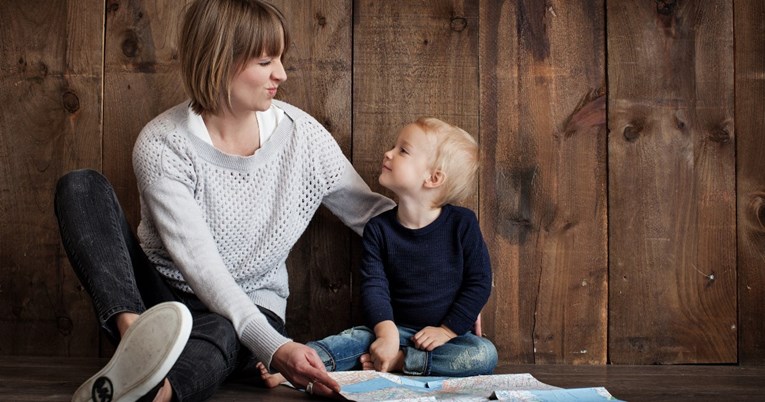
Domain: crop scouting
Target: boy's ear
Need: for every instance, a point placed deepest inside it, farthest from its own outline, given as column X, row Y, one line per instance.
column 435, row 180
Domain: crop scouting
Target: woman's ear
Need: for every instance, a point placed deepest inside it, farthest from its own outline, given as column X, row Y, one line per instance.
column 436, row 179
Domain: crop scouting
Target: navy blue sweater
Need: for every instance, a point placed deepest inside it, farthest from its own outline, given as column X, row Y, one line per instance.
column 436, row 275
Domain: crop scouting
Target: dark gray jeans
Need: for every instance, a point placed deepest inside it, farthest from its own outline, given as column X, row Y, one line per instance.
column 118, row 276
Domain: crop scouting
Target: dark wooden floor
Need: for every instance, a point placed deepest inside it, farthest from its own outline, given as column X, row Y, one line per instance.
column 54, row 379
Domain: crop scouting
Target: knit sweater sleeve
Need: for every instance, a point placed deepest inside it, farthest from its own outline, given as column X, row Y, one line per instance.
column 353, row 201
column 165, row 182
column 476, row 284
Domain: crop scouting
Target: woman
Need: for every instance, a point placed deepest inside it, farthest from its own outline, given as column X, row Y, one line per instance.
column 228, row 182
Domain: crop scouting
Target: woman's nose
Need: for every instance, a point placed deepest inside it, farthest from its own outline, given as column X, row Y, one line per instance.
column 279, row 74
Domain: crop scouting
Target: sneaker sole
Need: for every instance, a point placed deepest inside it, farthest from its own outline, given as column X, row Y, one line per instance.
column 143, row 357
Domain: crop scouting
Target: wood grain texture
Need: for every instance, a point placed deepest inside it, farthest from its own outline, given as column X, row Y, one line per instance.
column 750, row 145
column 38, row 379
column 411, row 59
column 671, row 182
column 683, row 232
column 50, row 86
column 543, row 179
column 141, row 80
column 318, row 66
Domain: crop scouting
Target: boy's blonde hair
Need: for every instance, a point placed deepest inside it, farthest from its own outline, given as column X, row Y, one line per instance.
column 456, row 156
column 218, row 38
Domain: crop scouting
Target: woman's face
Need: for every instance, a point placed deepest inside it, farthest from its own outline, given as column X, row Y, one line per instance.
column 254, row 88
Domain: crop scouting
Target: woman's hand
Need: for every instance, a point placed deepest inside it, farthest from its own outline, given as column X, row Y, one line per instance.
column 300, row 365
column 430, row 338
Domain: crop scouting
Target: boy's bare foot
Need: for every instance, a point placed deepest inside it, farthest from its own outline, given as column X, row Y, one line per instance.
column 366, row 362
column 397, row 365
column 271, row 380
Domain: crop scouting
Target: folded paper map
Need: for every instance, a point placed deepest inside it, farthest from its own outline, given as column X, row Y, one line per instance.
column 368, row 386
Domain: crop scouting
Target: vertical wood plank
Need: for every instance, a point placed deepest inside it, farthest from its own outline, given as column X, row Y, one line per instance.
column 50, row 86
column 750, row 130
column 141, row 80
column 543, row 178
column 411, row 59
column 671, row 182
column 319, row 82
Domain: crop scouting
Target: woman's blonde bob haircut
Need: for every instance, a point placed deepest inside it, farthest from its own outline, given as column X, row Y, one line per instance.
column 456, row 156
column 218, row 38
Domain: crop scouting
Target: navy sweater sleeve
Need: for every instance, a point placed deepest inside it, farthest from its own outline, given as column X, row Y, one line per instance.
column 437, row 275
column 476, row 281
column 375, row 296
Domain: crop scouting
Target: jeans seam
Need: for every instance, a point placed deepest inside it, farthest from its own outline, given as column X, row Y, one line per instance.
column 331, row 357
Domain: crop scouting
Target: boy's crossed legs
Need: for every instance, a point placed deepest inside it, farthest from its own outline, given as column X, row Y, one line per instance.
column 465, row 355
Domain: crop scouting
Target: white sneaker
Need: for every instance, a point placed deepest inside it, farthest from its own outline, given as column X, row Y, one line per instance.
column 143, row 357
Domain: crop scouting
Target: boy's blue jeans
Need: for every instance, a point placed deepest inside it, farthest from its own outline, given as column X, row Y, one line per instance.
column 463, row 356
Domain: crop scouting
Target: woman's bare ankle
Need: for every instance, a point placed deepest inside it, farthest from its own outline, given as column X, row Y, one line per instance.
column 165, row 394
column 124, row 321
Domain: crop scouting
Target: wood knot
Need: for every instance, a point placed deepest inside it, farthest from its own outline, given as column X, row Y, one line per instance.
column 720, row 135
column 458, row 24
column 64, row 325
column 113, row 6
column 632, row 132
column 665, row 7
column 321, row 20
column 757, row 210
column 71, row 101
column 130, row 44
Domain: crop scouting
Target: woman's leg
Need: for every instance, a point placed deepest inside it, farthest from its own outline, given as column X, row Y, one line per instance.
column 208, row 359
column 121, row 281
column 214, row 355
column 103, row 251
column 463, row 356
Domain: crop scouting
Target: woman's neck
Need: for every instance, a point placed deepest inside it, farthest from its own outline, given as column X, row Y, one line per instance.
column 232, row 134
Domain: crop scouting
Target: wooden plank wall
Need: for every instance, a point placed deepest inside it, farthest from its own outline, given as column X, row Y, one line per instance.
column 543, row 194
column 612, row 135
column 671, row 182
column 750, row 129
column 51, row 84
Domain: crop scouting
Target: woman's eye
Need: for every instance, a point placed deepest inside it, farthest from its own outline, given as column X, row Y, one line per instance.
column 264, row 62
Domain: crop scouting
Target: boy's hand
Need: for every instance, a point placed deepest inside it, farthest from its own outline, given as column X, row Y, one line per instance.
column 384, row 352
column 430, row 338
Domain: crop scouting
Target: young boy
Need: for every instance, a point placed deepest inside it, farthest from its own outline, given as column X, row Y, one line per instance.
column 425, row 272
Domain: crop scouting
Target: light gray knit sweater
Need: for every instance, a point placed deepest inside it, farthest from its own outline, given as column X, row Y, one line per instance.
column 221, row 226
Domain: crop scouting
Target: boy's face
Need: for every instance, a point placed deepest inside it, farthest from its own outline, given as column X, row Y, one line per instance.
column 406, row 166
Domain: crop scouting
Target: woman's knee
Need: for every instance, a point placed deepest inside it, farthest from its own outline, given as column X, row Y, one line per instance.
column 78, row 184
